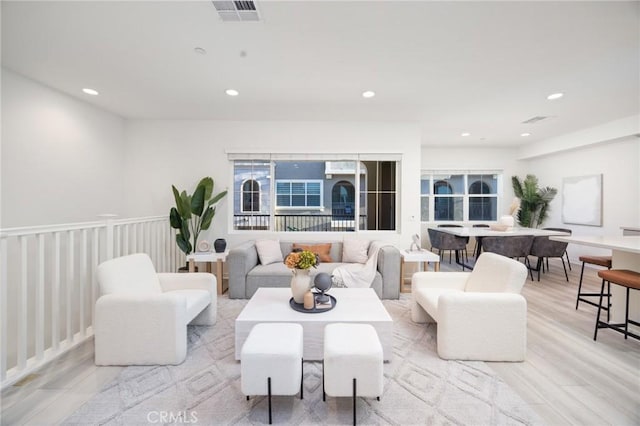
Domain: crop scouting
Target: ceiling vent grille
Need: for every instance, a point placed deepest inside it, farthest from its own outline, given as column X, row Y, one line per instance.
column 535, row 119
column 237, row 11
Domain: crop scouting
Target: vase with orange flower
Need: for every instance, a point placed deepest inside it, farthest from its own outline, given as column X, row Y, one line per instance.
column 300, row 262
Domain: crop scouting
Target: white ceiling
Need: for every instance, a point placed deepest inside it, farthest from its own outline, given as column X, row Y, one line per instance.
column 478, row 67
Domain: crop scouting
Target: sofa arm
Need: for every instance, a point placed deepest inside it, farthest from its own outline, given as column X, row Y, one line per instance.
column 453, row 280
column 140, row 329
column 240, row 261
column 482, row 326
column 170, row 281
column 389, row 267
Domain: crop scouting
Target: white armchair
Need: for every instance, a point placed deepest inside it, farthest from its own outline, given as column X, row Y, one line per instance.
column 480, row 314
column 141, row 316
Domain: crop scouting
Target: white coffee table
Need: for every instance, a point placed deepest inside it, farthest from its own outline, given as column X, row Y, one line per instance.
column 354, row 305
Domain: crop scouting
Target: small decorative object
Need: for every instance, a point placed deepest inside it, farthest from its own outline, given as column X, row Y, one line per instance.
column 220, row 245
column 309, row 303
column 323, row 283
column 204, row 246
column 415, row 245
column 300, row 262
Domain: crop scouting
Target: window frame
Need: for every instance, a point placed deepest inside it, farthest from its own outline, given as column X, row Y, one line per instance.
column 435, row 175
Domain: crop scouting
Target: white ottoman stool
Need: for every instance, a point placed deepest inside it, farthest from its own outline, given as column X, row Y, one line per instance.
column 352, row 363
column 271, row 361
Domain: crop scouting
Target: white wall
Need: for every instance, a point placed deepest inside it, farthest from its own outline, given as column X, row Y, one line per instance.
column 162, row 153
column 619, row 163
column 61, row 157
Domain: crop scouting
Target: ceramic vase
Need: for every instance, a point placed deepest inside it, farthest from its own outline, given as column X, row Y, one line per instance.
column 220, row 245
column 300, row 284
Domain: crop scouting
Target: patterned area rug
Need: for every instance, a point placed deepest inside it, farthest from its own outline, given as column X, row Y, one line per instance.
column 419, row 387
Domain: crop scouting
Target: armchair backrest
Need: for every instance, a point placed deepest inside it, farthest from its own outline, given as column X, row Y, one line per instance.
column 494, row 273
column 134, row 273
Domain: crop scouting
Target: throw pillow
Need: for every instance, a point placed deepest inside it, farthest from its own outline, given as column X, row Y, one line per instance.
column 322, row 250
column 269, row 251
column 355, row 251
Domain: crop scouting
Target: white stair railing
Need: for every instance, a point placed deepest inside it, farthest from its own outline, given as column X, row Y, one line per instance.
column 48, row 288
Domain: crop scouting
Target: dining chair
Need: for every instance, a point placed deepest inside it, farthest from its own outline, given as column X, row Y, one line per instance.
column 454, row 225
column 566, row 230
column 513, row 246
column 443, row 241
column 544, row 248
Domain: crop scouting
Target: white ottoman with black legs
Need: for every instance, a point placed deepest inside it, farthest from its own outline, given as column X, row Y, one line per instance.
column 352, row 362
column 271, row 361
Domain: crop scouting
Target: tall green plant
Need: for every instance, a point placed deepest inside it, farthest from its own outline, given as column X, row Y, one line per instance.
column 193, row 213
column 534, row 201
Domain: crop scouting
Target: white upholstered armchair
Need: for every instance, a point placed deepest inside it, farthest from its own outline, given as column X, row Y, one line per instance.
column 141, row 316
column 480, row 314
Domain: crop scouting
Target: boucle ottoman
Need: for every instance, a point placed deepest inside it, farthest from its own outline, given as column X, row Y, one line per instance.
column 271, row 361
column 352, row 362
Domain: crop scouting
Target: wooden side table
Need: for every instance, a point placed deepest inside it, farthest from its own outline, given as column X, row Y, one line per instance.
column 209, row 258
column 422, row 256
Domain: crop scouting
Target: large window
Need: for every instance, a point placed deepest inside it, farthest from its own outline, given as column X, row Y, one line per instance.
column 459, row 196
column 332, row 195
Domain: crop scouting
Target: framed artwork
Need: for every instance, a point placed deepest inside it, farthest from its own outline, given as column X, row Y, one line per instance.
column 582, row 200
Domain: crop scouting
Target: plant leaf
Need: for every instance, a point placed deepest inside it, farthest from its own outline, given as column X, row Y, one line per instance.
column 207, row 218
column 197, row 201
column 185, row 202
column 178, row 199
column 175, row 219
column 184, row 229
column 183, row 244
column 217, row 198
column 207, row 182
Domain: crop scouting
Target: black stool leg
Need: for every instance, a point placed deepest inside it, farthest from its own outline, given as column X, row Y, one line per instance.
column 354, row 401
column 580, row 286
column 595, row 333
column 608, row 301
column 626, row 317
column 301, row 376
column 565, row 270
column 324, row 395
column 269, row 391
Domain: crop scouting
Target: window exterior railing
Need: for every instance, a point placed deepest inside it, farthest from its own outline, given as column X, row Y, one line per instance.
column 295, row 223
column 48, row 287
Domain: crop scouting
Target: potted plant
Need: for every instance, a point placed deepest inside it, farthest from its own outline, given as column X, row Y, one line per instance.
column 193, row 214
column 534, row 201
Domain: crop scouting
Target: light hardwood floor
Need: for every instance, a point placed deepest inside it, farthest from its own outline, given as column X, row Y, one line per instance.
column 567, row 377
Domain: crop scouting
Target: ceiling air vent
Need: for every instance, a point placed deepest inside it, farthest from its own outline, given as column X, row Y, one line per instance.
column 237, row 11
column 535, row 119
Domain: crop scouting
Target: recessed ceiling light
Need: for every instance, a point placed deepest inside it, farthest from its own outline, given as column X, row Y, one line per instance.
column 88, row 91
column 200, row 51
column 368, row 94
column 465, row 134
column 232, row 92
column 555, row 96
column 525, row 134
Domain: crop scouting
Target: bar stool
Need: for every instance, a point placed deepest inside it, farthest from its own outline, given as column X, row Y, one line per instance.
column 624, row 278
column 593, row 260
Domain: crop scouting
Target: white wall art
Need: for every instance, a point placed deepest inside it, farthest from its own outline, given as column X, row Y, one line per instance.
column 582, row 200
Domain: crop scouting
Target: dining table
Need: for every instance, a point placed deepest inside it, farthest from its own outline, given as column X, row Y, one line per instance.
column 625, row 254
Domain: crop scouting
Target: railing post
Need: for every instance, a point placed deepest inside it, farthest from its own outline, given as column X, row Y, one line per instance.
column 108, row 220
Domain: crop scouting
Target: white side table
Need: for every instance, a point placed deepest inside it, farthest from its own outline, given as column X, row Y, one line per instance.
column 421, row 256
column 209, row 258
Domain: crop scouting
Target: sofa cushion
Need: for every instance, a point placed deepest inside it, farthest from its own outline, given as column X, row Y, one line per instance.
column 197, row 300
column 134, row 273
column 355, row 251
column 322, row 250
column 428, row 298
column 269, row 251
column 494, row 273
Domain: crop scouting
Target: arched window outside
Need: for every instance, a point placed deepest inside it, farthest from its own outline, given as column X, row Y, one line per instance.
column 250, row 196
column 343, row 196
